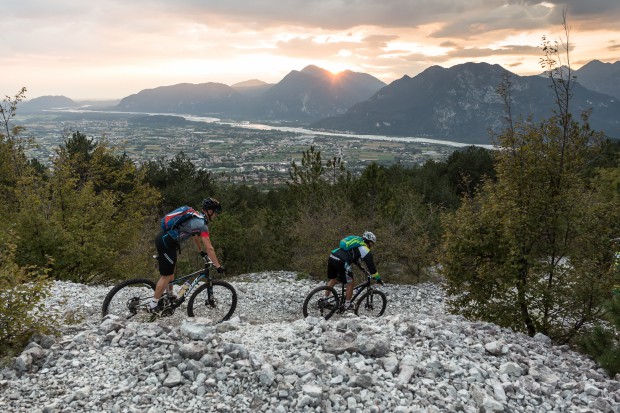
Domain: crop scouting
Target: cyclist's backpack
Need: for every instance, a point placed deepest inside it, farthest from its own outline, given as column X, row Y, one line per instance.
column 175, row 218
column 350, row 242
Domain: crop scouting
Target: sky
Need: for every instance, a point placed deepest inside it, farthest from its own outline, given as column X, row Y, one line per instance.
column 109, row 49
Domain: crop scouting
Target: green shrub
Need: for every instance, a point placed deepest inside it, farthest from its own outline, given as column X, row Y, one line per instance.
column 603, row 341
column 22, row 294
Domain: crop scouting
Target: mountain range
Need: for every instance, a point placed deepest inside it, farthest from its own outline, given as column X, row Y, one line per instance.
column 459, row 103
column 462, row 104
column 601, row 77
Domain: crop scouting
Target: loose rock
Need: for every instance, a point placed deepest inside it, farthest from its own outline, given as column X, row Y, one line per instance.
column 416, row 358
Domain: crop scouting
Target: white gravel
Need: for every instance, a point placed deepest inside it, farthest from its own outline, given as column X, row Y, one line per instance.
column 268, row 358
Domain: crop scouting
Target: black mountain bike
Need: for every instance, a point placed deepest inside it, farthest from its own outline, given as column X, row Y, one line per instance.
column 213, row 299
column 324, row 301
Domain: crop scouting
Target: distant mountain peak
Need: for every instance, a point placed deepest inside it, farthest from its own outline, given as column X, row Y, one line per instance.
column 598, row 63
column 601, row 77
column 47, row 102
column 249, row 83
column 315, row 71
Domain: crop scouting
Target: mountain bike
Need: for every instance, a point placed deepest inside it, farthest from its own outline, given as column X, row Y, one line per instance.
column 324, row 301
column 213, row 299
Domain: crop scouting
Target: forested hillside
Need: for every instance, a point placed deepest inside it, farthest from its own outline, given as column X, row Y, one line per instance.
column 519, row 236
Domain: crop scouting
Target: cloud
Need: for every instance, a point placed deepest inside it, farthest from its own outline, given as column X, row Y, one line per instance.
column 325, row 14
column 505, row 17
column 378, row 41
column 310, row 48
column 162, row 42
column 476, row 52
column 460, row 18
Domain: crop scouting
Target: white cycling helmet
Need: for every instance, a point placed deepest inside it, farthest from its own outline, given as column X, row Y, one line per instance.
column 369, row 236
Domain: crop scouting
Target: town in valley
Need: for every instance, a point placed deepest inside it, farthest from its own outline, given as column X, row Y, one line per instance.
column 237, row 152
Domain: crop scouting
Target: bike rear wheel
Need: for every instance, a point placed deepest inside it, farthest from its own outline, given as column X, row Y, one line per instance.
column 322, row 302
column 130, row 300
column 371, row 304
column 221, row 306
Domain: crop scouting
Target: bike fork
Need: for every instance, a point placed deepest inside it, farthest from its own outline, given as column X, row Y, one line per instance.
column 210, row 298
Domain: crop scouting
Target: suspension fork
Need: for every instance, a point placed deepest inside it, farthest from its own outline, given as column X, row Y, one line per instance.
column 209, row 282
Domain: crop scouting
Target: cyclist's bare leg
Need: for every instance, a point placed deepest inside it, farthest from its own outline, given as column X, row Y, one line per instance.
column 349, row 292
column 161, row 286
column 330, row 283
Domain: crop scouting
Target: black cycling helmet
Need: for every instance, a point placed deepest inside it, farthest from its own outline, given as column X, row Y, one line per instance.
column 211, row 204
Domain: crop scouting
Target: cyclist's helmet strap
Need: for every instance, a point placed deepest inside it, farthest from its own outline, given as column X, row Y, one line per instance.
column 211, row 204
column 369, row 236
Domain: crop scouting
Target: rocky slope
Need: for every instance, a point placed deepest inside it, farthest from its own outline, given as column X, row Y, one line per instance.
column 268, row 358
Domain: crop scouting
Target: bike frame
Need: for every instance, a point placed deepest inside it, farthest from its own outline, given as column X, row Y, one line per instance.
column 198, row 277
column 357, row 290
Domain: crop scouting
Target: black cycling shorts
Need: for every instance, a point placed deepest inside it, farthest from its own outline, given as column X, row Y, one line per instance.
column 166, row 253
column 336, row 268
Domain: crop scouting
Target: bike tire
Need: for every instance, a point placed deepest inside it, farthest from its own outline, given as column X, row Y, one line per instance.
column 225, row 302
column 130, row 300
column 371, row 304
column 317, row 304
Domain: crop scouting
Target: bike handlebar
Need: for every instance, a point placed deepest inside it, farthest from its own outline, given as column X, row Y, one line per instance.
column 369, row 275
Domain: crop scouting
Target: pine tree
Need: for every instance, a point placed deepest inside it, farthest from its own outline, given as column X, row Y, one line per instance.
column 603, row 342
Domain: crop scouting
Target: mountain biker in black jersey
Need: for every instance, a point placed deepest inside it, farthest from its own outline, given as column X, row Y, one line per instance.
column 167, row 244
column 340, row 261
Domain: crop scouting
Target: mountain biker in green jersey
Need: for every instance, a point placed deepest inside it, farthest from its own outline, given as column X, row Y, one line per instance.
column 167, row 244
column 340, row 261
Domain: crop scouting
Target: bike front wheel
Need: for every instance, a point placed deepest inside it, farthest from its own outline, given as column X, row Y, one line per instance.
column 217, row 305
column 322, row 302
column 371, row 304
column 130, row 300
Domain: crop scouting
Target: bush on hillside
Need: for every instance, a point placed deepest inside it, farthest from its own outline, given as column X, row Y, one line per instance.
column 23, row 290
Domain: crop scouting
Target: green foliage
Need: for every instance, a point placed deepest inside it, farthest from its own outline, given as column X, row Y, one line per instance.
column 22, row 292
column 405, row 224
column 468, row 168
column 530, row 250
column 12, row 159
column 317, row 228
column 310, row 172
column 8, row 110
column 22, row 287
column 406, row 228
column 444, row 183
column 179, row 181
column 88, row 215
column 603, row 341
